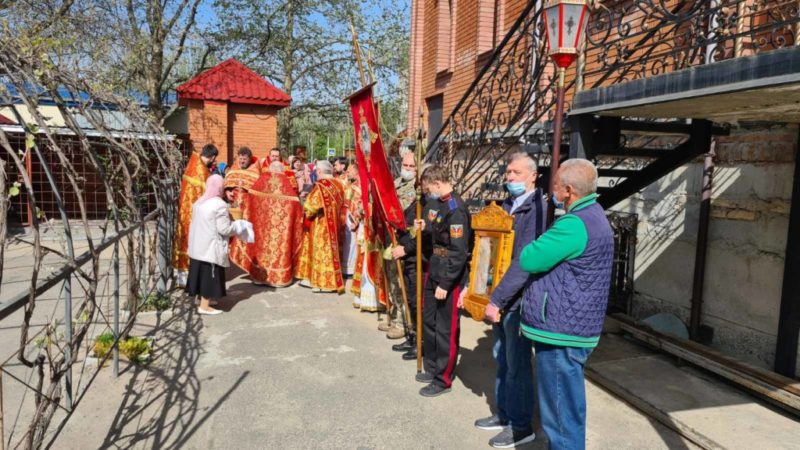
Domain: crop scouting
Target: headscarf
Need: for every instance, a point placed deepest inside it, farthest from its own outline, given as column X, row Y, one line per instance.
column 214, row 188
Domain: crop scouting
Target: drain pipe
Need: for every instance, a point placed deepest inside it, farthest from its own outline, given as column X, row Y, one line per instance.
column 702, row 244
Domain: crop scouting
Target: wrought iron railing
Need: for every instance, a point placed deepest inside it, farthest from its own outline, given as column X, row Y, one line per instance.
column 507, row 105
column 510, row 102
column 70, row 275
column 629, row 39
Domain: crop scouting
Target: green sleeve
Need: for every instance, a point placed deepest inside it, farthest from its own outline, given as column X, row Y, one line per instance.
column 566, row 239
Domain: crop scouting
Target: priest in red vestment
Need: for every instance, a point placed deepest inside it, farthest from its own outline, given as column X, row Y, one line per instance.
column 193, row 185
column 319, row 264
column 238, row 182
column 273, row 207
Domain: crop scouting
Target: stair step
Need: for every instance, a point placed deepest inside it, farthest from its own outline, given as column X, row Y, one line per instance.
column 616, row 173
column 671, row 127
column 636, row 152
column 603, row 189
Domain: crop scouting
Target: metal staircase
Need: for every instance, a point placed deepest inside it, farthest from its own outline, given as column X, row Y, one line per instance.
column 509, row 106
column 648, row 95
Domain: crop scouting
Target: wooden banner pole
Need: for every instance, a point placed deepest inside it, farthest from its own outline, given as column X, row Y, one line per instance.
column 357, row 51
column 418, row 151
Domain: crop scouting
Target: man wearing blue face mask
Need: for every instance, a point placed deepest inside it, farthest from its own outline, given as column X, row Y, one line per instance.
column 514, row 390
column 405, row 251
column 564, row 307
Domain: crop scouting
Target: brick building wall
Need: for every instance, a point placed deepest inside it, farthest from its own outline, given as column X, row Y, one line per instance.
column 254, row 126
column 451, row 41
column 208, row 124
column 231, row 106
column 230, row 126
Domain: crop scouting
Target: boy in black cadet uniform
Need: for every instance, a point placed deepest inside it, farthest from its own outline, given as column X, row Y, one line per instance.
column 447, row 226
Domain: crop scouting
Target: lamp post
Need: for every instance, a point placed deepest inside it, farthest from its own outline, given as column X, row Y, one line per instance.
column 565, row 26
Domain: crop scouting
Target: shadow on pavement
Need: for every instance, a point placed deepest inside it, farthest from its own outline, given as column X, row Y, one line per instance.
column 160, row 406
column 476, row 368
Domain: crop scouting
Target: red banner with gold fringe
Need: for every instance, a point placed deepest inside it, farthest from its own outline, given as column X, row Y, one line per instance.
column 372, row 165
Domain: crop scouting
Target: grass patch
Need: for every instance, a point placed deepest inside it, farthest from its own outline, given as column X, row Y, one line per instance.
column 103, row 344
column 155, row 302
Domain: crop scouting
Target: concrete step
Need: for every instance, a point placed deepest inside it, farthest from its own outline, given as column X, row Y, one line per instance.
column 703, row 408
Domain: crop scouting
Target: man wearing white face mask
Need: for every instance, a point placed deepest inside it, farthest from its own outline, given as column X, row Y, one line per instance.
column 406, row 193
column 564, row 307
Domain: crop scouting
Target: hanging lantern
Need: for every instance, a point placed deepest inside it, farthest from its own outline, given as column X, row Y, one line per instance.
column 565, row 24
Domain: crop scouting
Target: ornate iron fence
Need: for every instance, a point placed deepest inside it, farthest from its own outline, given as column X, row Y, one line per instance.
column 96, row 179
column 510, row 102
column 507, row 106
column 625, row 228
column 628, row 39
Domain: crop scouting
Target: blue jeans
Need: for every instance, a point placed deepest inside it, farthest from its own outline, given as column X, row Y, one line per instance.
column 513, row 387
column 562, row 394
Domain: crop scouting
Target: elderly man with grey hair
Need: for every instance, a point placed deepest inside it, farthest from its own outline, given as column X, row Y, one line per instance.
column 276, row 167
column 319, row 264
column 513, row 388
column 564, row 308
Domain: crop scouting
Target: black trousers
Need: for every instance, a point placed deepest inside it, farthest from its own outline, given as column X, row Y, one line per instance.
column 440, row 330
column 410, row 277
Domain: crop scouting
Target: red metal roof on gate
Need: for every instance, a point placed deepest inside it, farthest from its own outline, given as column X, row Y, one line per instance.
column 232, row 81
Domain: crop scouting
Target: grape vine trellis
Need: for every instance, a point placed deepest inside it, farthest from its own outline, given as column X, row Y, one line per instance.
column 98, row 135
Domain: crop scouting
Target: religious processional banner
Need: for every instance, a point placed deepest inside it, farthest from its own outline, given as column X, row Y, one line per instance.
column 372, row 165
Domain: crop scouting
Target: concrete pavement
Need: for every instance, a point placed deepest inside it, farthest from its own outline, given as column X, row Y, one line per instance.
column 291, row 369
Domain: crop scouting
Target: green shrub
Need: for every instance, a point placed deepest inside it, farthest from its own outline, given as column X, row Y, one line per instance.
column 102, row 344
column 135, row 349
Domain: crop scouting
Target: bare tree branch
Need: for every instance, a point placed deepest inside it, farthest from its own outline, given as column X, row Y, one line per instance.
column 182, row 40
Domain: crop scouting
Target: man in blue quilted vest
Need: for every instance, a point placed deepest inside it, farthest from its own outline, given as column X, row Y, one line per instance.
column 564, row 308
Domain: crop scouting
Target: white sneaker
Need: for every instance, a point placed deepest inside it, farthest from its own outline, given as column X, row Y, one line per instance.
column 209, row 312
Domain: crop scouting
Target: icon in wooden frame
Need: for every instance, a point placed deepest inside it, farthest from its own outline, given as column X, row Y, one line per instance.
column 491, row 256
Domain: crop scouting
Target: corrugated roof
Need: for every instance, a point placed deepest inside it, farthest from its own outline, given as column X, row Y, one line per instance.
column 231, row 81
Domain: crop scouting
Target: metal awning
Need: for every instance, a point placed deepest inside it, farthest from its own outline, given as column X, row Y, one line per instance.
column 763, row 87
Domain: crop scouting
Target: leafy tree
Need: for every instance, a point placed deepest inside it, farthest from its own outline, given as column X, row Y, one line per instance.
column 154, row 41
column 305, row 47
column 302, row 46
column 123, row 45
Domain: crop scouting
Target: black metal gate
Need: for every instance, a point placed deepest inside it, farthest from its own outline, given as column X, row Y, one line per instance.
column 621, row 292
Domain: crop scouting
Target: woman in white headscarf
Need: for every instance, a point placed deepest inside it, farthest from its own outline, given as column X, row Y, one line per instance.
column 209, row 233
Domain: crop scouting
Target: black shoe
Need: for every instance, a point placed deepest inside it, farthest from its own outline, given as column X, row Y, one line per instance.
column 491, row 423
column 510, row 437
column 405, row 346
column 433, row 390
column 424, row 377
column 410, row 355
